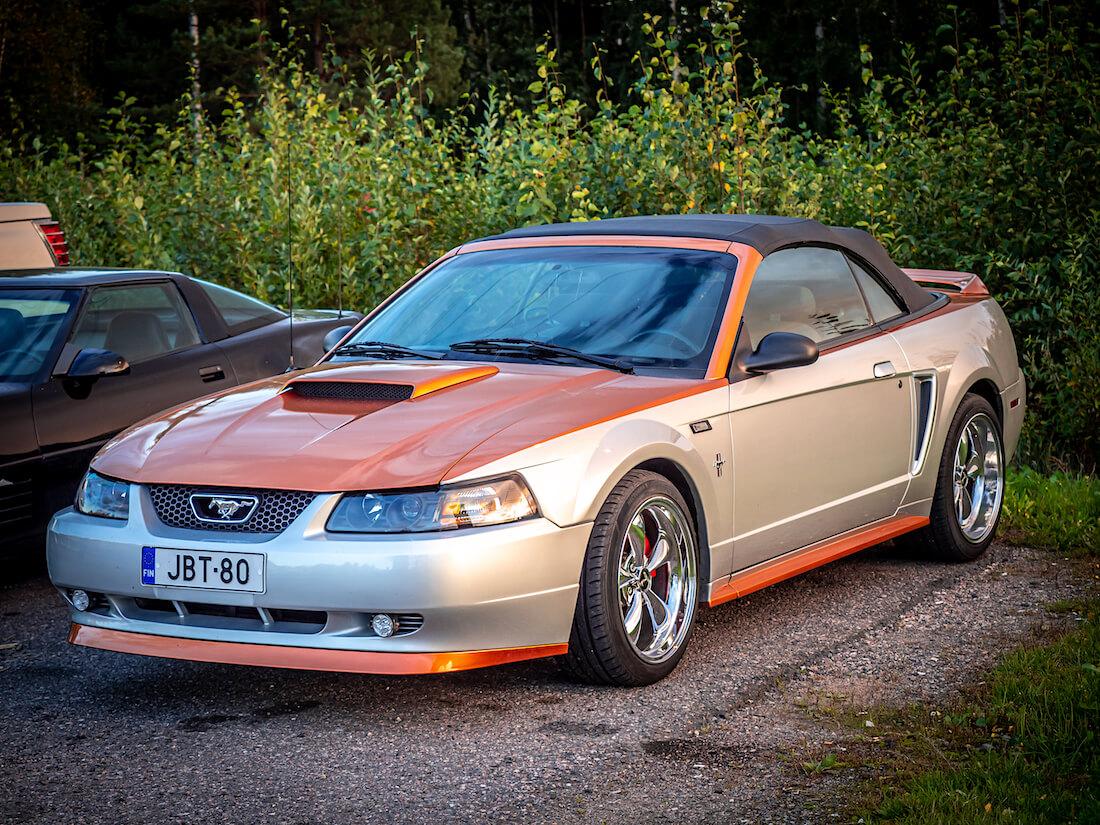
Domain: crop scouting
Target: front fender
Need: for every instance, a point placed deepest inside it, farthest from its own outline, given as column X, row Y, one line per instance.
column 572, row 475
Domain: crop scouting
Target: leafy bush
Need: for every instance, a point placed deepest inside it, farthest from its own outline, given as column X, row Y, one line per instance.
column 990, row 166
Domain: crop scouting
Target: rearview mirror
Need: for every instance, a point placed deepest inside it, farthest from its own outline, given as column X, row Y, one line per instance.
column 781, row 350
column 97, row 363
column 333, row 336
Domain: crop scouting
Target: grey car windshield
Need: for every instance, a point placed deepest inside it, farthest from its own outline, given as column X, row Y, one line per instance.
column 652, row 307
column 32, row 322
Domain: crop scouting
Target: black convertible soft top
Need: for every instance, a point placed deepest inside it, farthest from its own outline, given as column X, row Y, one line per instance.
column 764, row 233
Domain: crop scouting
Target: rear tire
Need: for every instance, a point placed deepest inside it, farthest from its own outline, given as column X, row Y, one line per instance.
column 966, row 506
column 637, row 599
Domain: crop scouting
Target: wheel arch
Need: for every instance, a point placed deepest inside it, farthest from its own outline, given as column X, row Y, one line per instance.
column 685, row 485
column 987, row 389
column 973, row 372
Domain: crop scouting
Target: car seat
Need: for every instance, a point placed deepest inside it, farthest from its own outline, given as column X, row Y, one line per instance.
column 12, row 327
column 136, row 335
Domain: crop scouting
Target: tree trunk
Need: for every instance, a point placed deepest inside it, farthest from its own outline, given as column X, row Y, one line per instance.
column 196, row 89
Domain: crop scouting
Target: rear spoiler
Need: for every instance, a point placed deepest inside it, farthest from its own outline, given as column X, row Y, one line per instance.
column 966, row 283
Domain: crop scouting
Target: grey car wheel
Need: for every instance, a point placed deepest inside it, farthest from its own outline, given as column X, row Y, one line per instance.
column 969, row 488
column 639, row 586
column 977, row 478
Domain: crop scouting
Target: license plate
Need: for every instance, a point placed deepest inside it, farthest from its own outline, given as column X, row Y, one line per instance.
column 208, row 569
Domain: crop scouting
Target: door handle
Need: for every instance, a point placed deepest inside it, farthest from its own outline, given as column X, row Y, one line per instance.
column 884, row 369
column 214, row 373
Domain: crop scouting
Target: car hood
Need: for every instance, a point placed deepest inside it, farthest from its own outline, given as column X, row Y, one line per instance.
column 346, row 427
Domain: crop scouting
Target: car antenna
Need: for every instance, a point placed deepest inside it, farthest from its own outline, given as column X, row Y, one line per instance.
column 290, row 256
column 340, row 243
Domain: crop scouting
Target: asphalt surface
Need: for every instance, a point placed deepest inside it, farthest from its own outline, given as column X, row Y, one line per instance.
column 92, row 736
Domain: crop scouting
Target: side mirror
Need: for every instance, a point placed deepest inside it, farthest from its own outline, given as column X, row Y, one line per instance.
column 333, row 336
column 780, row 351
column 93, row 363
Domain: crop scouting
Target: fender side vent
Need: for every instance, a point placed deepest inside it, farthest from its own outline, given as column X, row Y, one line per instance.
column 926, row 413
column 352, row 390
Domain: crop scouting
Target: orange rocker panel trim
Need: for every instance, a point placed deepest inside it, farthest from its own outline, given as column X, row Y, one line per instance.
column 301, row 658
column 785, row 567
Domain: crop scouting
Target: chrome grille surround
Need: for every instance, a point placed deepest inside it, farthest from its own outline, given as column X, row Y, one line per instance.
column 274, row 513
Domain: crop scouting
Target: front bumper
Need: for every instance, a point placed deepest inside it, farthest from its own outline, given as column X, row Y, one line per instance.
column 484, row 595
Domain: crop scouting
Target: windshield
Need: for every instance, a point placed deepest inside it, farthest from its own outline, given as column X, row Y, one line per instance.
column 651, row 307
column 32, row 322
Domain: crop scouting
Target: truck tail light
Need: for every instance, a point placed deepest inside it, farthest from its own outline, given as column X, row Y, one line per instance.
column 55, row 237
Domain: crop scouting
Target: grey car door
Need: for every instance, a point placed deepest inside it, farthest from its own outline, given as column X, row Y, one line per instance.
column 823, row 448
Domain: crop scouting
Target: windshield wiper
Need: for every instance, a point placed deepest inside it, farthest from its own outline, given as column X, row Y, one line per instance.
column 382, row 349
column 526, row 348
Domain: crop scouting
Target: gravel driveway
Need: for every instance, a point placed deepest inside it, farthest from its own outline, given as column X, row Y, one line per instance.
column 91, row 736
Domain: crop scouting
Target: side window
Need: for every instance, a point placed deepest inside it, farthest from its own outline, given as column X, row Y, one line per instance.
column 807, row 290
column 138, row 321
column 882, row 303
column 241, row 313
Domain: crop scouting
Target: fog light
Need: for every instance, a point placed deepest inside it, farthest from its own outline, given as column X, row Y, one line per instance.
column 383, row 624
column 80, row 600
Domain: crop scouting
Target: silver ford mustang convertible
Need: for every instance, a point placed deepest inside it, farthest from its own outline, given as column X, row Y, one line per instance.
column 559, row 441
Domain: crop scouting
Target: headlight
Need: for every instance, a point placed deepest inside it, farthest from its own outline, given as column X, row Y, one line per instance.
column 99, row 496
column 467, row 505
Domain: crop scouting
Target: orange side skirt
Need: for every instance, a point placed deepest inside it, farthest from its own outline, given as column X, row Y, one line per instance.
column 792, row 564
column 301, row 658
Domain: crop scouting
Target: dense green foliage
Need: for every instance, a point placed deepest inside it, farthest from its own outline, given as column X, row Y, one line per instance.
column 1060, row 511
column 988, row 166
column 1025, row 750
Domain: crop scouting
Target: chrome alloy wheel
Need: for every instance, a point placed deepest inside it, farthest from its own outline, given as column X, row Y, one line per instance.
column 657, row 579
column 978, row 478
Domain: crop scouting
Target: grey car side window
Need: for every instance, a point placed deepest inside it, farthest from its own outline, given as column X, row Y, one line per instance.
column 807, row 290
column 882, row 304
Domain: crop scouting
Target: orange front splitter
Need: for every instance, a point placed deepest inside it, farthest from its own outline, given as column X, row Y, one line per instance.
column 302, row 658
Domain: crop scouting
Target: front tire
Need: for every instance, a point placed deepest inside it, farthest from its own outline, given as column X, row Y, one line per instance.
column 966, row 506
column 639, row 584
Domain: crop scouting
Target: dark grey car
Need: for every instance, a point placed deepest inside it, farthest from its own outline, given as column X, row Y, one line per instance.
column 84, row 353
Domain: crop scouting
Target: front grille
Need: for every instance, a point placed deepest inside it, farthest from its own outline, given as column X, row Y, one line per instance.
column 242, row 617
column 246, row 617
column 353, row 390
column 274, row 513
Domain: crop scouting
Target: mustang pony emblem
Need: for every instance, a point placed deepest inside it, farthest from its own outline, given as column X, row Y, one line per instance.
column 223, row 509
column 226, row 507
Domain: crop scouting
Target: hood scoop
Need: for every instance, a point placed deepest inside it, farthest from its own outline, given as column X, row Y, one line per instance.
column 385, row 382
column 352, row 390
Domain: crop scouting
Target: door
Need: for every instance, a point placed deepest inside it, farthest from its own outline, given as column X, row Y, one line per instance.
column 824, row 448
column 150, row 325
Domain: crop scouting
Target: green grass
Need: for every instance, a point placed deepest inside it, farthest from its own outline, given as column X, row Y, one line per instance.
column 1060, row 511
column 1025, row 746
column 1024, row 749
